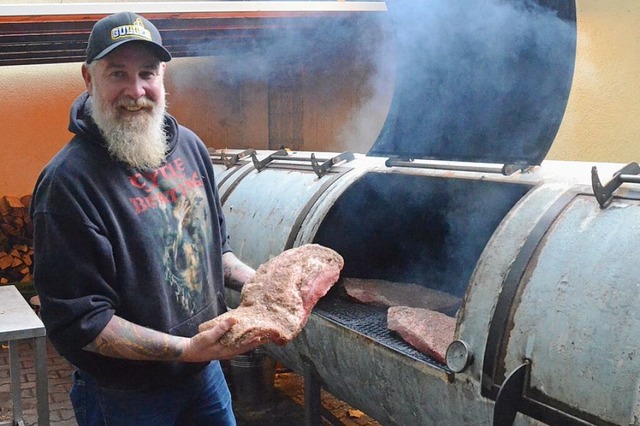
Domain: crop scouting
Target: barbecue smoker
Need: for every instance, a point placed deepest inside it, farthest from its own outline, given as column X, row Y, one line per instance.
column 544, row 255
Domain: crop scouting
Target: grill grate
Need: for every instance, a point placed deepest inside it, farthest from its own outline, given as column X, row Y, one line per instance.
column 369, row 321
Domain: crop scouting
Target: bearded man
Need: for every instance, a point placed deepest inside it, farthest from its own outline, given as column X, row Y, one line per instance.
column 131, row 250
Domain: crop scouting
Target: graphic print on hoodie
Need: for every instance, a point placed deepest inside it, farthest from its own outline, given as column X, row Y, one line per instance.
column 178, row 198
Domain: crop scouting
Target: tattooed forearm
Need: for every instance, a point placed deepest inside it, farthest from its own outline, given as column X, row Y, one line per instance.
column 123, row 339
column 235, row 272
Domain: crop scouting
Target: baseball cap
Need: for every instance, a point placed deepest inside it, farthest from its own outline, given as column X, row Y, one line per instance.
column 120, row 28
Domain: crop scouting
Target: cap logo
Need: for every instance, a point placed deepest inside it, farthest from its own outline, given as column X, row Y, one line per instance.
column 136, row 29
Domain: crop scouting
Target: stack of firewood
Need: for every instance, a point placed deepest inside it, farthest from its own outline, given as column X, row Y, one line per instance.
column 16, row 241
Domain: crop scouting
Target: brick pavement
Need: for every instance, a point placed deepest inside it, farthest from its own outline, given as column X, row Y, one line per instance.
column 59, row 375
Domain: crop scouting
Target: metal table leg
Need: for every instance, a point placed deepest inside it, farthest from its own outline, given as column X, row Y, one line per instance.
column 16, row 390
column 42, row 388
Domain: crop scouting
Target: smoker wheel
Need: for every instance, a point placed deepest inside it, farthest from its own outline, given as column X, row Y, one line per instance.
column 369, row 321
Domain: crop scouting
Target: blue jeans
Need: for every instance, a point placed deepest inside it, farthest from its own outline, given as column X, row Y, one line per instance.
column 203, row 400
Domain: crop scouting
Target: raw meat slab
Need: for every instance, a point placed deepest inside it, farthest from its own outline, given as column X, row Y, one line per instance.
column 428, row 331
column 276, row 302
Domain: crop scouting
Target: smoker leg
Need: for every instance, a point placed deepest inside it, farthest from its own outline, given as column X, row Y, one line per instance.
column 312, row 403
column 329, row 417
column 314, row 412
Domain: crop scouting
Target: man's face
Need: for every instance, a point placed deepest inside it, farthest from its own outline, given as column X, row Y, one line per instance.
column 128, row 103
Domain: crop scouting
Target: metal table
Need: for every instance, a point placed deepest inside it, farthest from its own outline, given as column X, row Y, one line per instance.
column 18, row 322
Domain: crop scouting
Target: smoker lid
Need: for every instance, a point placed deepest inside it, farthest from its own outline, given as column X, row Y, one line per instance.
column 478, row 81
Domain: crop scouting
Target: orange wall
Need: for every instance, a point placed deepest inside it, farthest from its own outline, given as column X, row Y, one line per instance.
column 224, row 113
column 34, row 114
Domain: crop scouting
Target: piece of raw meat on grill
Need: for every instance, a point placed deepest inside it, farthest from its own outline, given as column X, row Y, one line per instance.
column 428, row 331
column 276, row 302
column 387, row 293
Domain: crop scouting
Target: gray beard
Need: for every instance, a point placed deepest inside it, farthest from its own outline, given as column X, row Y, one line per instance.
column 140, row 142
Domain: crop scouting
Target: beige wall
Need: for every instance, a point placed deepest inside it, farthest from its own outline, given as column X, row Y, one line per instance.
column 600, row 124
column 601, row 121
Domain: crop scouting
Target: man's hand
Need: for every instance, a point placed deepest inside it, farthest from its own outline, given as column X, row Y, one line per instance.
column 206, row 345
column 124, row 339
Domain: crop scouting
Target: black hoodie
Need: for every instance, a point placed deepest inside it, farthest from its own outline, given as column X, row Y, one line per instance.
column 144, row 245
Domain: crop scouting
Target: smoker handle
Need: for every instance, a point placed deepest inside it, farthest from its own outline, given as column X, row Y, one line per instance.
column 322, row 169
column 510, row 395
column 261, row 164
column 231, row 160
column 629, row 173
